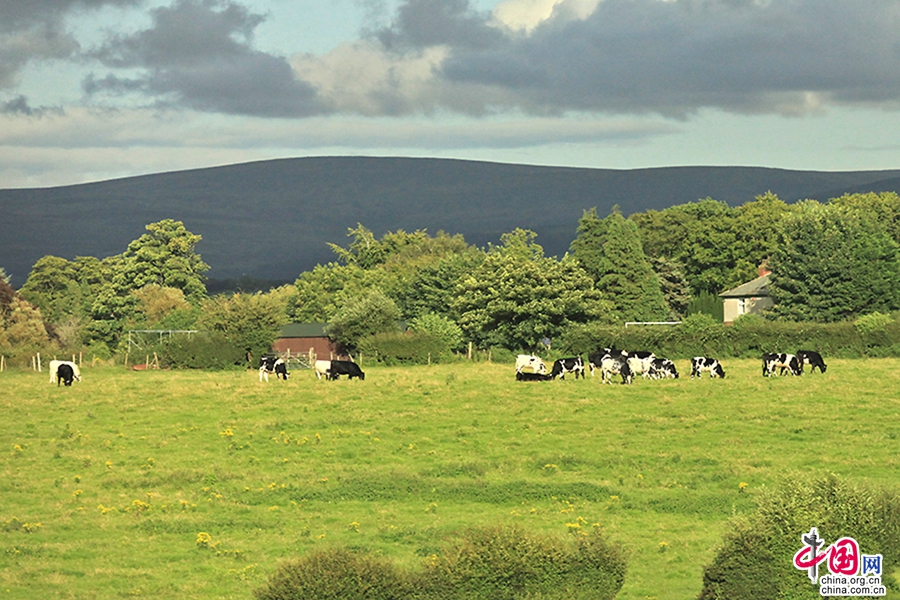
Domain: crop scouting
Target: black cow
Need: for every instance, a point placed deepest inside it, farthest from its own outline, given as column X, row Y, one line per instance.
column 345, row 367
column 663, row 368
column 522, row 376
column 561, row 366
column 269, row 365
column 65, row 373
column 812, row 358
column 704, row 363
column 781, row 362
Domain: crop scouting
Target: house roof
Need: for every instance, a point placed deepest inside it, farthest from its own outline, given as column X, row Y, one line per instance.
column 756, row 288
column 303, row 330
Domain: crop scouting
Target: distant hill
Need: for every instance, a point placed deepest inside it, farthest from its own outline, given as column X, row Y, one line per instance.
column 272, row 219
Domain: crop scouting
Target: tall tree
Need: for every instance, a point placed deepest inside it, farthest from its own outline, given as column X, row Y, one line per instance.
column 610, row 251
column 832, row 263
column 165, row 256
column 517, row 297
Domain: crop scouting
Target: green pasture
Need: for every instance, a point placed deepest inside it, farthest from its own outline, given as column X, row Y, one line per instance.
column 187, row 484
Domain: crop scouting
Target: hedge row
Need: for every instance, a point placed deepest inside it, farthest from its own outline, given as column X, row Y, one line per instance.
column 748, row 337
column 493, row 563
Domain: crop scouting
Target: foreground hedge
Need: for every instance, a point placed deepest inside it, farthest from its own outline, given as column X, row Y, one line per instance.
column 755, row 558
column 748, row 337
column 492, row 563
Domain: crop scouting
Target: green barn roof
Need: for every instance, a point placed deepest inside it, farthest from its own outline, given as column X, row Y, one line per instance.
column 303, row 330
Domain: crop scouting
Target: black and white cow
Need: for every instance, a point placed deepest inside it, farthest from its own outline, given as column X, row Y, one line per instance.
column 663, row 368
column 523, row 376
column 269, row 365
column 594, row 359
column 530, row 361
column 640, row 362
column 704, row 363
column 615, row 365
column 811, row 358
column 54, row 369
column 781, row 362
column 345, row 367
column 65, row 373
column 561, row 366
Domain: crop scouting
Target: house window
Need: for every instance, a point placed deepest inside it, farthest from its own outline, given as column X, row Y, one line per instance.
column 742, row 306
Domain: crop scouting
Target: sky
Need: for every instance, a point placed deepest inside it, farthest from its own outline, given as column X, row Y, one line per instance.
column 101, row 89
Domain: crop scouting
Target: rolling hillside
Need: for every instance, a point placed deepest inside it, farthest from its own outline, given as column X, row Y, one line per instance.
column 272, row 219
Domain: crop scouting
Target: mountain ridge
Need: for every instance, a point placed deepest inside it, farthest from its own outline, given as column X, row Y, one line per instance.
column 272, row 219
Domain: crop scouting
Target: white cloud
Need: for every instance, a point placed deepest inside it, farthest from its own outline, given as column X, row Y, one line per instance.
column 528, row 14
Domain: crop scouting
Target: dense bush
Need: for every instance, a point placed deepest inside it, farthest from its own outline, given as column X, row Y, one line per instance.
column 212, row 350
column 395, row 348
column 755, row 558
column 336, row 574
column 507, row 564
column 748, row 337
column 492, row 563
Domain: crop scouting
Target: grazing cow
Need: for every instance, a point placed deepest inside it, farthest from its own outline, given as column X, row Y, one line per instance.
column 54, row 369
column 345, row 367
column 522, row 376
column 269, row 365
column 704, row 363
column 663, row 368
column 812, row 358
column 596, row 358
column 615, row 365
column 529, row 360
column 323, row 369
column 561, row 366
column 782, row 362
column 641, row 362
column 65, row 373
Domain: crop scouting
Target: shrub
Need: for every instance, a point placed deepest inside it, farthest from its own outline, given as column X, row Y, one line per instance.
column 754, row 560
column 212, row 350
column 336, row 574
column 871, row 323
column 440, row 327
column 506, row 564
column 395, row 348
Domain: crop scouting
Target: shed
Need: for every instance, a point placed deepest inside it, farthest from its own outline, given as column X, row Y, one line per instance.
column 748, row 298
column 301, row 338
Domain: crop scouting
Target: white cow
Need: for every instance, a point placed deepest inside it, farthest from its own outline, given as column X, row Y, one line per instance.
column 532, row 361
column 54, row 367
column 323, row 368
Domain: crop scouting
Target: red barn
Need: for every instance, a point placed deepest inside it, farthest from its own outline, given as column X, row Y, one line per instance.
column 300, row 338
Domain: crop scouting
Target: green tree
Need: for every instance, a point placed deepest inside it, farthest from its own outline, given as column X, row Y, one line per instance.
column 756, row 226
column 432, row 288
column 363, row 317
column 321, row 292
column 833, row 263
column 165, row 256
column 249, row 321
column 610, row 251
column 517, row 297
column 701, row 236
column 21, row 326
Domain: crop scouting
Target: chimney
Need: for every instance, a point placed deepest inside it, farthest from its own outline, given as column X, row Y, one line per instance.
column 764, row 269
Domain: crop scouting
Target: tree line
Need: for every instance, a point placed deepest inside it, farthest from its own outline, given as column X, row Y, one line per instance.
column 830, row 262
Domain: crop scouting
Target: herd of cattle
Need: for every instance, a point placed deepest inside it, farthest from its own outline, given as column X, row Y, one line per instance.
column 629, row 365
column 610, row 361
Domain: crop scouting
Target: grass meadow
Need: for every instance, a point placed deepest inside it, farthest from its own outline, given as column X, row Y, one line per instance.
column 188, row 484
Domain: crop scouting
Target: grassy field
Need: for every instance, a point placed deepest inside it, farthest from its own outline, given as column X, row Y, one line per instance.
column 197, row 485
